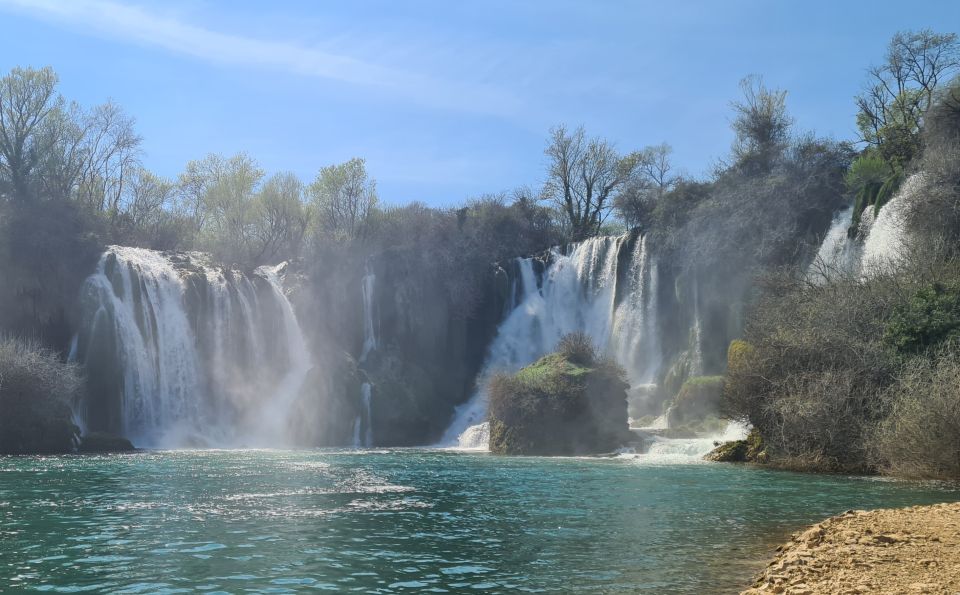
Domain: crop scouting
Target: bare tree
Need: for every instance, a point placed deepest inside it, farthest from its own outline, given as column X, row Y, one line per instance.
column 901, row 89
column 583, row 177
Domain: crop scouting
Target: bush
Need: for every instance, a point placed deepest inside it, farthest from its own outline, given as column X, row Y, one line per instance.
column 812, row 379
column 578, row 348
column 921, row 436
column 36, row 393
column 930, row 317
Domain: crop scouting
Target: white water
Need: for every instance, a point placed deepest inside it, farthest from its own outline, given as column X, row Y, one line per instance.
column 577, row 293
column 887, row 239
column 672, row 451
column 223, row 370
column 881, row 239
column 363, row 424
column 838, row 253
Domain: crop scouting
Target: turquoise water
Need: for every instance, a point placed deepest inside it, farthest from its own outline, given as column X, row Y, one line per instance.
column 404, row 522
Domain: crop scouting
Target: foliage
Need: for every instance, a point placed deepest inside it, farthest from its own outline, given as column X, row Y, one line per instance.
column 36, row 394
column 761, row 124
column 343, row 197
column 872, row 182
column 930, row 317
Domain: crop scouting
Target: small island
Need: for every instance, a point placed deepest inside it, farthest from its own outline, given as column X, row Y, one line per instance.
column 571, row 402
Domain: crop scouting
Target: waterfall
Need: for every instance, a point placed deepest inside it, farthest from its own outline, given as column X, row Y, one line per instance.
column 881, row 238
column 887, row 238
column 838, row 253
column 578, row 291
column 363, row 424
column 369, row 331
column 181, row 353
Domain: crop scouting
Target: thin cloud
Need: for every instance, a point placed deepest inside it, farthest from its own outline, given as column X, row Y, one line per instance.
column 126, row 22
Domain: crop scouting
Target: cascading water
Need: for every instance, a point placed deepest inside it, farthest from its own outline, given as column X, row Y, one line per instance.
column 363, row 424
column 880, row 240
column 577, row 292
column 838, row 254
column 181, row 353
column 886, row 241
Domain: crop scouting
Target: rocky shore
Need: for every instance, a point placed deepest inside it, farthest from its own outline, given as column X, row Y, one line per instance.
column 907, row 550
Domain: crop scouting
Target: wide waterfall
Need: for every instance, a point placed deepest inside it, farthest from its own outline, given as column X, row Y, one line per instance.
column 604, row 286
column 182, row 353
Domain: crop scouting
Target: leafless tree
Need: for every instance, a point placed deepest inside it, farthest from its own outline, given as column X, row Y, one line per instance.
column 583, row 178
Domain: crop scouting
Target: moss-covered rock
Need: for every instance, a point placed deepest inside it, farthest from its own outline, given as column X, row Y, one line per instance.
column 698, row 399
column 749, row 450
column 567, row 403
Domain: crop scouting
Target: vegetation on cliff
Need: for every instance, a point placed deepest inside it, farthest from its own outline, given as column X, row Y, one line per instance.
column 570, row 402
column 37, row 391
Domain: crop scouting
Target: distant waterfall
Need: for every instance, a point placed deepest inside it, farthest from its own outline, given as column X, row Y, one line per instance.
column 182, row 353
column 838, row 253
column 363, row 424
column 605, row 287
column 880, row 240
column 887, row 239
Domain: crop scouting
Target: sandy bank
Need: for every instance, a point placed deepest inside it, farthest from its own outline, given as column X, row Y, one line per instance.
column 906, row 550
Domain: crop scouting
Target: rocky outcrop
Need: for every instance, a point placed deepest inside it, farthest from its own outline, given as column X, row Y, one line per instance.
column 560, row 405
column 749, row 450
column 907, row 550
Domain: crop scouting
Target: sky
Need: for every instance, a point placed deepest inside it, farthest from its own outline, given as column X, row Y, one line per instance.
column 448, row 100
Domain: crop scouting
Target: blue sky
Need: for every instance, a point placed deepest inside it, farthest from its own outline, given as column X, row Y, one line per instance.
column 445, row 99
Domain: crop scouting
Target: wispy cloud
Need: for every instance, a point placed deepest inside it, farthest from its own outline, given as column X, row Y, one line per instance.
column 127, row 22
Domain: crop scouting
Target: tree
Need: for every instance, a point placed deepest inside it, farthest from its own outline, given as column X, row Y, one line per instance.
column 343, row 196
column 584, row 177
column 902, row 89
column 762, row 126
column 280, row 220
column 26, row 98
column 227, row 189
column 635, row 204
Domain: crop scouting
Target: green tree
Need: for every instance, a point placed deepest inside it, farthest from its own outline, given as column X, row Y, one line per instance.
column 762, row 126
column 343, row 197
column 27, row 96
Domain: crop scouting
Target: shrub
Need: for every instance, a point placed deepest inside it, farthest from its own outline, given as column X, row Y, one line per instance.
column 930, row 317
column 36, row 393
column 921, row 436
column 578, row 348
column 812, row 379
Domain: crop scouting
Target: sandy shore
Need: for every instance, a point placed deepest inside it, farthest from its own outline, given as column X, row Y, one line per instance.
column 906, row 550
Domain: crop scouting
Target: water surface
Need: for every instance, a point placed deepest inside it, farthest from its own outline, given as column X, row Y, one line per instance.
column 404, row 522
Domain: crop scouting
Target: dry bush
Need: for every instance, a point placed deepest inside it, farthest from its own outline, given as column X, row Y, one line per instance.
column 921, row 436
column 36, row 392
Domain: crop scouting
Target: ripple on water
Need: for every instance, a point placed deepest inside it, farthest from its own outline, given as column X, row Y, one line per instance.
column 403, row 521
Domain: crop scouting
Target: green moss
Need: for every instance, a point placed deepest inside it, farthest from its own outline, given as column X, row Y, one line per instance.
column 750, row 450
